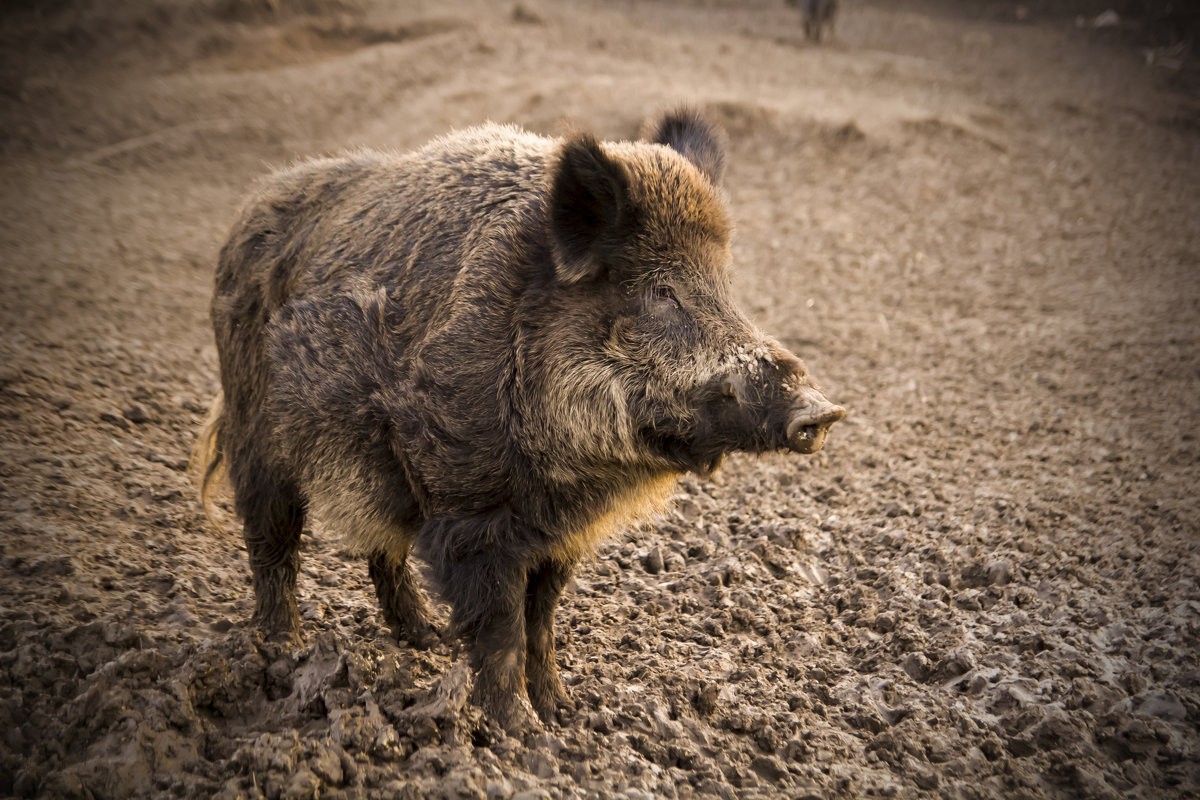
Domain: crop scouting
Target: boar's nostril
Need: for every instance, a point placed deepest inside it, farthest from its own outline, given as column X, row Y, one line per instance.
column 821, row 416
column 834, row 414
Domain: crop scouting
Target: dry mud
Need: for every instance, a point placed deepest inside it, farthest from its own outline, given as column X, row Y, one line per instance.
column 982, row 234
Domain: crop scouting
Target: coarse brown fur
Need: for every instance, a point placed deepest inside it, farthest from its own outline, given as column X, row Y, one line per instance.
column 206, row 467
column 498, row 349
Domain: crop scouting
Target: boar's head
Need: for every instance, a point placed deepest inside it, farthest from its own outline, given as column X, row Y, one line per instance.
column 640, row 239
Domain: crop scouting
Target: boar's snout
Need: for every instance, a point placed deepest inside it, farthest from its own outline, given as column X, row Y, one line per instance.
column 809, row 420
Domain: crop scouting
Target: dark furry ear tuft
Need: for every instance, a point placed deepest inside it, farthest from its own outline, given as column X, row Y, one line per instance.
column 698, row 140
column 590, row 209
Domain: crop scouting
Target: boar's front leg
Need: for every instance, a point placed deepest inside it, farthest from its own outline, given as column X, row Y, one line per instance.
column 480, row 563
column 400, row 598
column 541, row 670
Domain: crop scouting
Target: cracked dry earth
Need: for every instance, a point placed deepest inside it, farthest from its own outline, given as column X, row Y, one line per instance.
column 982, row 235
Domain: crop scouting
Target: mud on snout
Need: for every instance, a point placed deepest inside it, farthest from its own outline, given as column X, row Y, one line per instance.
column 812, row 414
column 765, row 404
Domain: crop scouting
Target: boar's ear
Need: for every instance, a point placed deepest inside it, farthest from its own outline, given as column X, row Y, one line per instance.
column 698, row 140
column 590, row 209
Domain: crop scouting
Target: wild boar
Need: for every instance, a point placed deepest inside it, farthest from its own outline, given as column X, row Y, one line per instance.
column 817, row 14
column 499, row 348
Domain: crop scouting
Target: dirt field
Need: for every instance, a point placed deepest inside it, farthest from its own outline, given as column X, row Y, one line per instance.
column 981, row 232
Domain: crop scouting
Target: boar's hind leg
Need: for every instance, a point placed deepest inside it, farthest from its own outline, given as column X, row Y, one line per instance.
column 541, row 670
column 401, row 600
column 480, row 564
column 273, row 514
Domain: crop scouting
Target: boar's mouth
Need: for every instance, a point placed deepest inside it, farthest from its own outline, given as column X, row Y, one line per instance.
column 807, row 438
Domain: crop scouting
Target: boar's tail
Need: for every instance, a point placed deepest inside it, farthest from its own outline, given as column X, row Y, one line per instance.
column 207, row 466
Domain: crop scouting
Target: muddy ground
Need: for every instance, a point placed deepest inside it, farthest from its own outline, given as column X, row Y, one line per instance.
column 978, row 225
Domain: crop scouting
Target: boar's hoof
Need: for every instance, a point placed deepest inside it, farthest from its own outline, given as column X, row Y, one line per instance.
column 809, row 426
column 278, row 622
column 513, row 713
column 420, row 635
column 280, row 640
column 553, row 707
column 564, row 712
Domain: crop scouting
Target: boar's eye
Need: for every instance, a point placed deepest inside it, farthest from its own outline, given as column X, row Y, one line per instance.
column 664, row 296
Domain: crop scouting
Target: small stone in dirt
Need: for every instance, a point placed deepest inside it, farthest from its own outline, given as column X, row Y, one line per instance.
column 673, row 562
column 654, row 561
column 706, row 699
column 61, row 401
column 977, row 683
column 136, row 413
column 955, row 664
column 917, row 666
column 885, row 622
column 995, row 572
column 601, row 721
column 991, row 747
column 769, row 768
column 998, row 571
